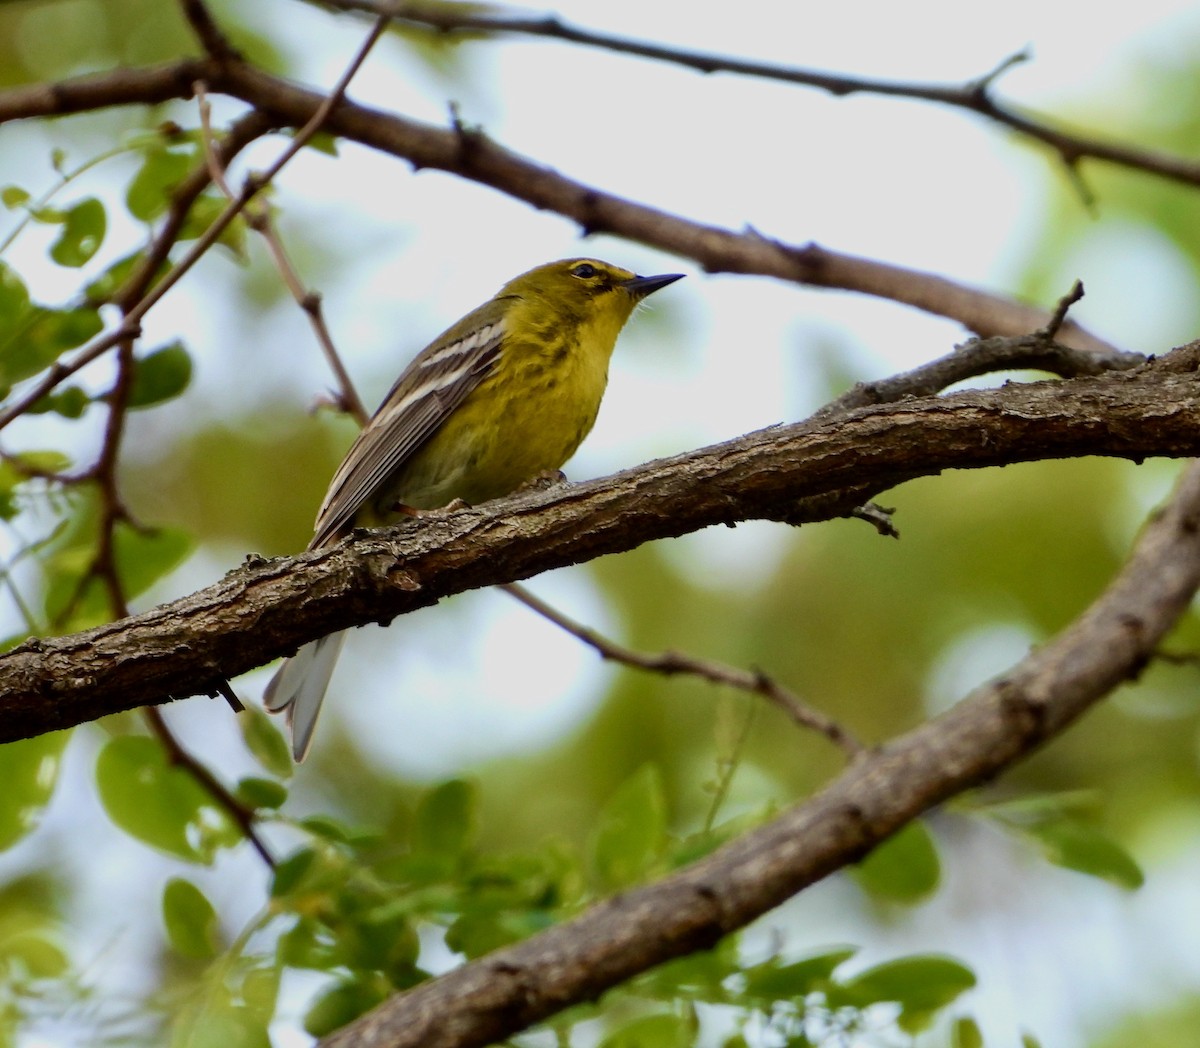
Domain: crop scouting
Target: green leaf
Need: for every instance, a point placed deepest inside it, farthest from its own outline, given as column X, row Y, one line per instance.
column 108, row 283
column 260, row 990
column 190, row 920
column 702, row 976
column 326, row 826
column 159, row 803
column 30, row 938
column 29, row 771
column 309, row 873
column 65, row 558
column 82, row 234
column 266, row 742
column 14, row 297
column 773, row 981
column 965, row 1033
column 323, row 142
column 70, row 402
column 39, row 336
column 921, row 985
column 382, row 940
column 215, row 1020
column 342, row 1003
column 50, row 216
column 203, row 213
column 38, row 954
column 1029, row 1041
column 905, row 868
column 307, row 944
column 290, row 872
column 475, row 934
column 21, row 468
column 665, row 1030
column 445, row 819
column 160, row 375
column 1036, row 806
column 149, row 193
column 13, row 196
column 1084, row 848
column 261, row 793
column 631, row 832
column 145, row 556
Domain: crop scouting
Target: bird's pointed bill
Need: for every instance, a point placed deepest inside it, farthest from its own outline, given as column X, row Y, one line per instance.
column 643, row 286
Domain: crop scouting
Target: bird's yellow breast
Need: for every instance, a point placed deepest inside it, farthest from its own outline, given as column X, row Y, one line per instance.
column 525, row 418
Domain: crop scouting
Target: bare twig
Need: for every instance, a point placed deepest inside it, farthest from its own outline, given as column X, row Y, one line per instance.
column 258, row 217
column 1036, row 351
column 243, row 817
column 672, row 662
column 1178, row 658
column 210, row 35
column 1060, row 311
column 879, row 517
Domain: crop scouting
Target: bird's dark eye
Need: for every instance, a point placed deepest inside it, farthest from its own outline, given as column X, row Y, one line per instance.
column 585, row 271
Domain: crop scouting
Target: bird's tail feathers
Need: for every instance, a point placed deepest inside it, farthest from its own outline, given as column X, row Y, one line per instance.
column 298, row 688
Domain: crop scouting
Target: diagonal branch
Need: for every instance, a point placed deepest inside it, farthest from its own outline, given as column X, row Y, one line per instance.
column 804, row 472
column 509, row 990
column 1037, row 351
column 669, row 663
column 974, row 96
column 258, row 218
column 470, row 154
column 210, row 35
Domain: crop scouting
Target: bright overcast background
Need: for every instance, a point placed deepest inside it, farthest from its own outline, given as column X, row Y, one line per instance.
column 905, row 182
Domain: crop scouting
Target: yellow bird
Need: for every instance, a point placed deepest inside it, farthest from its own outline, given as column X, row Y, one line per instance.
column 507, row 393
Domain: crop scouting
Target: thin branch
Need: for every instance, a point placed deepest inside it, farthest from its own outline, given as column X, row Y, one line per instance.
column 672, row 662
column 211, row 37
column 1059, row 316
column 258, row 217
column 809, row 471
column 974, row 96
column 484, row 1001
column 1037, row 351
column 470, row 154
column 1178, row 658
column 243, row 817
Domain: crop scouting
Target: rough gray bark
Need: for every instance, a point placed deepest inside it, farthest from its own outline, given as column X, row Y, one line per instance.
column 798, row 473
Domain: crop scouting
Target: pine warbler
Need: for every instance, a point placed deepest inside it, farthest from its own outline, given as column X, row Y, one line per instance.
column 507, row 393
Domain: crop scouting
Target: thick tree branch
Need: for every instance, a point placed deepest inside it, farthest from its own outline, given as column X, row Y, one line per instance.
column 472, row 155
column 509, row 990
column 803, row 472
